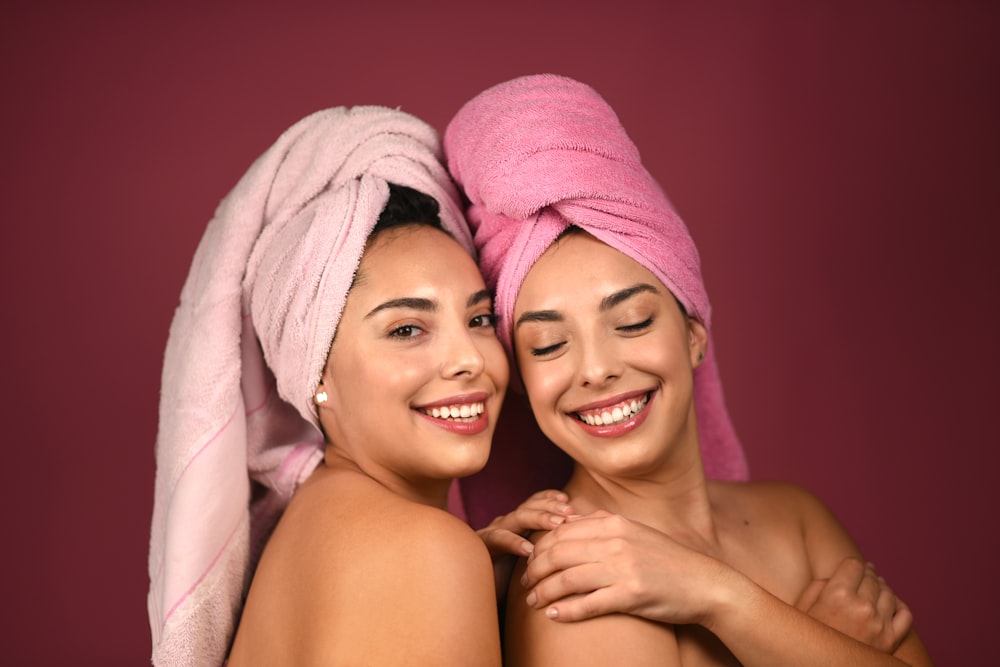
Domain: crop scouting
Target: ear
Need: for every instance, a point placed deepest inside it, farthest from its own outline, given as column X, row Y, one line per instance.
column 697, row 342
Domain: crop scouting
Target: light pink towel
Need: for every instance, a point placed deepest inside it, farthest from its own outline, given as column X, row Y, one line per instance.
column 274, row 266
column 539, row 153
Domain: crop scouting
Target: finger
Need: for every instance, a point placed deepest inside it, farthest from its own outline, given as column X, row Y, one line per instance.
column 560, row 556
column 523, row 520
column 580, row 580
column 810, row 595
column 551, row 501
column 595, row 526
column 849, row 574
column 902, row 622
column 549, row 494
column 499, row 541
column 887, row 603
column 869, row 587
column 598, row 603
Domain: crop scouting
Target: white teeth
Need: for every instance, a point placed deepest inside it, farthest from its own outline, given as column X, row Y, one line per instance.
column 617, row 414
column 464, row 411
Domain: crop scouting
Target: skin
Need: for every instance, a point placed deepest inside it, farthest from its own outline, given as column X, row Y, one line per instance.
column 708, row 573
column 411, row 583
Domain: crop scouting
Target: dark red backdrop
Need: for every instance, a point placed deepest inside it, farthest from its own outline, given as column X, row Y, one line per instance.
column 837, row 164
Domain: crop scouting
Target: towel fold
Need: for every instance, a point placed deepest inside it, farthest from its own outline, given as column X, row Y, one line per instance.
column 238, row 430
column 540, row 153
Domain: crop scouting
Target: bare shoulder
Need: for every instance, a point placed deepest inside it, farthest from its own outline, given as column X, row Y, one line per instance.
column 783, row 506
column 533, row 640
column 356, row 574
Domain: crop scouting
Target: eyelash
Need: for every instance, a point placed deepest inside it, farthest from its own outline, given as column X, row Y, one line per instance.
column 410, row 330
column 628, row 328
column 491, row 321
column 639, row 326
column 543, row 351
column 398, row 331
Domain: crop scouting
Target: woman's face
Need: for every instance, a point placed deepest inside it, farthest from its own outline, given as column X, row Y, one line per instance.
column 606, row 356
column 415, row 376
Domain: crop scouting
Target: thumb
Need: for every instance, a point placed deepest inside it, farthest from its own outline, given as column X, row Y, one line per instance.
column 809, row 596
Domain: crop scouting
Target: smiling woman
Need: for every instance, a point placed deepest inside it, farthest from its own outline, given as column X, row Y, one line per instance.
column 672, row 557
column 416, row 338
column 334, row 363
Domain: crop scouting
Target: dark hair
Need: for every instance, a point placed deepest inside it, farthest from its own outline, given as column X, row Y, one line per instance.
column 407, row 206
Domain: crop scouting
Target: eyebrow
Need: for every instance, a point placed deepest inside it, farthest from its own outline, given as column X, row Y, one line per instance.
column 612, row 300
column 424, row 305
column 478, row 297
column 607, row 303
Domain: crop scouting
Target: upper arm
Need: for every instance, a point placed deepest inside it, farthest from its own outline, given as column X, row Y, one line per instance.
column 828, row 544
column 826, row 540
column 530, row 638
column 419, row 591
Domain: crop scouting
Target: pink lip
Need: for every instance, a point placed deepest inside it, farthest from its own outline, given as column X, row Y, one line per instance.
column 475, row 397
column 614, row 400
column 479, row 425
column 622, row 427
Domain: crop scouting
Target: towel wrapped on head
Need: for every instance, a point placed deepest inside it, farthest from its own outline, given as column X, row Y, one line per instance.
column 246, row 350
column 540, row 153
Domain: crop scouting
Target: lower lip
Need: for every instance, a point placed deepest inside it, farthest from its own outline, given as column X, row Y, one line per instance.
column 620, row 428
column 460, row 427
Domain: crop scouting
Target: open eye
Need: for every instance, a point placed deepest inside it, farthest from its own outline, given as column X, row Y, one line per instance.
column 486, row 320
column 406, row 331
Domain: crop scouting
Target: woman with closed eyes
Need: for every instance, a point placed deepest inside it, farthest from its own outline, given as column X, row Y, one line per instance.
column 670, row 558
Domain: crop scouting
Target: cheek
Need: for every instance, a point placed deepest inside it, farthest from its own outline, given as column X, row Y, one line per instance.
column 496, row 362
column 545, row 382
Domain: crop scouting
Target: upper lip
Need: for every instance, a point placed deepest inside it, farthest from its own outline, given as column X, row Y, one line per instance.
column 460, row 399
column 612, row 400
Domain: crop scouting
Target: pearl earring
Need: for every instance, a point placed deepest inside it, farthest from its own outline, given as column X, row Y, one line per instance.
column 321, row 397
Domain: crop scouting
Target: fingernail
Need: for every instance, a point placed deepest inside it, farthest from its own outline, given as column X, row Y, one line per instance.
column 524, row 579
column 527, row 548
column 532, row 599
column 552, row 612
column 556, row 519
column 563, row 507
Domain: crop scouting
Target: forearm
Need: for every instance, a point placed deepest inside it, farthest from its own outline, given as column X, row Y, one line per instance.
column 760, row 629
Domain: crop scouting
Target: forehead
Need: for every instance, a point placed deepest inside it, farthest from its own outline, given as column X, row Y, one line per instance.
column 579, row 266
column 403, row 257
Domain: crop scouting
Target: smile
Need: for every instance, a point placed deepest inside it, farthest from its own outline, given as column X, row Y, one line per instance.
column 613, row 414
column 466, row 412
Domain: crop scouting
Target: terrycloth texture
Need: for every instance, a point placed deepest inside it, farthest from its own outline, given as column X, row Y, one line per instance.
column 539, row 153
column 274, row 266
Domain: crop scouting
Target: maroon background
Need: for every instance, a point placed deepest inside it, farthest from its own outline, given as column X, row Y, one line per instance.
column 836, row 162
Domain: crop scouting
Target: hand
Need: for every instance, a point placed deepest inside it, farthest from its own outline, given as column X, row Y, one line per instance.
column 603, row 563
column 504, row 536
column 858, row 603
column 542, row 511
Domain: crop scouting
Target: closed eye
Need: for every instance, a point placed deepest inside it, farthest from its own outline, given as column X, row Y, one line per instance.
column 543, row 351
column 638, row 326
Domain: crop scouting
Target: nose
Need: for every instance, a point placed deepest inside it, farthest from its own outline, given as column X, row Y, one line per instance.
column 599, row 364
column 462, row 357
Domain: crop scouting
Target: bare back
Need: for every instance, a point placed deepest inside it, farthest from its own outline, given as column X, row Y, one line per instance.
column 355, row 574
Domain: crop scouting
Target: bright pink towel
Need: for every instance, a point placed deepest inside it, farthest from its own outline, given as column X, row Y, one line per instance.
column 246, row 350
column 539, row 153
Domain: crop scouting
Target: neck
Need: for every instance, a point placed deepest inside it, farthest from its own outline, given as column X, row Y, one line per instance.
column 673, row 500
column 428, row 492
